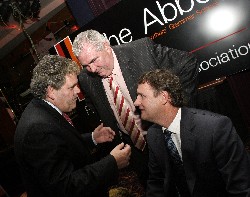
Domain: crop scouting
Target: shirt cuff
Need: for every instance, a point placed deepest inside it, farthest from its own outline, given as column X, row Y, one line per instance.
column 92, row 135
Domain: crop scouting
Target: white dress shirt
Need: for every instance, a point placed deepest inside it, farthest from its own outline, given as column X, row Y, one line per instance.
column 174, row 127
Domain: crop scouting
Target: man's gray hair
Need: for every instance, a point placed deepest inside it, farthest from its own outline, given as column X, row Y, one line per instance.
column 92, row 37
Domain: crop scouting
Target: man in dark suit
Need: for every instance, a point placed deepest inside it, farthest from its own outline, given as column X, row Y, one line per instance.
column 192, row 152
column 125, row 63
column 54, row 159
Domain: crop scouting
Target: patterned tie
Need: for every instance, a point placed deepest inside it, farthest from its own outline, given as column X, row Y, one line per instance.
column 126, row 116
column 172, row 148
column 178, row 172
column 68, row 118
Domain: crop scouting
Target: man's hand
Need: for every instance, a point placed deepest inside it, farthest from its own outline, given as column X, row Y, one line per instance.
column 103, row 134
column 121, row 154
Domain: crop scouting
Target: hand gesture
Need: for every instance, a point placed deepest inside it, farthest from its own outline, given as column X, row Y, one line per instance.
column 103, row 134
column 122, row 155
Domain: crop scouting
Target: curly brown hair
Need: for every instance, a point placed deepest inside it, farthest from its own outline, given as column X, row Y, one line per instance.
column 51, row 71
column 163, row 80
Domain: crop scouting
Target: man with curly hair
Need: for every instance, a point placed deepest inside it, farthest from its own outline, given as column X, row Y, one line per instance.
column 54, row 159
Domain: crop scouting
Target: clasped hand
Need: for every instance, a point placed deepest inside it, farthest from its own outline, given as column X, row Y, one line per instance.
column 103, row 134
column 121, row 153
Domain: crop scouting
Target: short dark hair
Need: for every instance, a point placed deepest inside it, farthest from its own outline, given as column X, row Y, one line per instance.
column 163, row 80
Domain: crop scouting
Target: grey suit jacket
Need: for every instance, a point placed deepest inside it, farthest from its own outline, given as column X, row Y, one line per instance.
column 55, row 160
column 134, row 59
column 214, row 158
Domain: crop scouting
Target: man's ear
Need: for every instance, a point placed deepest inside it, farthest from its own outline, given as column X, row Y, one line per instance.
column 50, row 93
column 106, row 45
column 165, row 97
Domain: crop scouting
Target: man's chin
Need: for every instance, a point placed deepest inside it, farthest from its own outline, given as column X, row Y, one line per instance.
column 72, row 107
column 143, row 117
column 103, row 75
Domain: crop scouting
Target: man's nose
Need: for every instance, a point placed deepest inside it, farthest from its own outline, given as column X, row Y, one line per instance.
column 91, row 68
column 136, row 103
column 77, row 89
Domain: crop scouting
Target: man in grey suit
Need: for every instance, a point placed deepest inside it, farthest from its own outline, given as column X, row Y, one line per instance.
column 126, row 63
column 192, row 152
column 54, row 159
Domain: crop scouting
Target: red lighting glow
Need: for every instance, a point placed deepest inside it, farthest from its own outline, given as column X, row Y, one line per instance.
column 74, row 28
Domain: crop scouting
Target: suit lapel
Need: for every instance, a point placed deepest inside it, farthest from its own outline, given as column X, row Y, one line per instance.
column 68, row 127
column 100, row 93
column 188, row 146
column 58, row 117
column 130, row 71
column 161, row 152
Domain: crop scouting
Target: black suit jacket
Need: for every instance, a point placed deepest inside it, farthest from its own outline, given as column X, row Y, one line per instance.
column 215, row 161
column 55, row 159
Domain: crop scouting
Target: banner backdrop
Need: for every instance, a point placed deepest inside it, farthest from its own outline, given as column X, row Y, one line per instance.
column 216, row 31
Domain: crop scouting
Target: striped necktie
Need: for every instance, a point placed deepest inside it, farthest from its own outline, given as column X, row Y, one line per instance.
column 126, row 116
column 178, row 172
column 66, row 116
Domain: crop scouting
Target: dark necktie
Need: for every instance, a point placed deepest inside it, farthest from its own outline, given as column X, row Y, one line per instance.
column 178, row 169
column 66, row 116
column 172, row 148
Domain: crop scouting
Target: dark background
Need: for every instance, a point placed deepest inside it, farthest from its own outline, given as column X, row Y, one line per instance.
column 189, row 36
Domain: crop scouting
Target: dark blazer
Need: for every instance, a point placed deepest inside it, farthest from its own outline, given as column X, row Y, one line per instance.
column 136, row 58
column 215, row 161
column 55, row 159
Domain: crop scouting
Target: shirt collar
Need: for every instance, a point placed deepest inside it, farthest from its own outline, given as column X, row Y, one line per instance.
column 174, row 127
column 116, row 70
column 52, row 105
